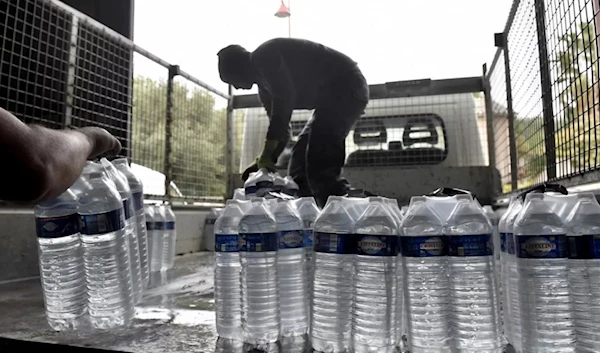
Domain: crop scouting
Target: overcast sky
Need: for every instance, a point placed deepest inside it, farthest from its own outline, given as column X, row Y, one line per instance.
column 390, row 39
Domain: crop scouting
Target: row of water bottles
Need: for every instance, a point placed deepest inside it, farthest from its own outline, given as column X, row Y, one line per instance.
column 550, row 270
column 93, row 248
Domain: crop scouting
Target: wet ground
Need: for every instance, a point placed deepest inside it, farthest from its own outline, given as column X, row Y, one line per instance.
column 176, row 315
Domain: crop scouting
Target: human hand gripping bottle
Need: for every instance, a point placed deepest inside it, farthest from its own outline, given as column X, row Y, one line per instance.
column 291, row 270
column 137, row 191
column 258, row 255
column 332, row 288
column 375, row 282
column 583, row 236
column 426, row 293
column 228, row 309
column 542, row 264
column 474, row 305
column 106, row 254
column 130, row 225
column 61, row 262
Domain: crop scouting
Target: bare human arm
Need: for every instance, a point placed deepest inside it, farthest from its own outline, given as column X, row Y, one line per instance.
column 40, row 164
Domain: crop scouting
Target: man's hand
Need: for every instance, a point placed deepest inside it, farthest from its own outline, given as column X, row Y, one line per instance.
column 265, row 160
column 103, row 143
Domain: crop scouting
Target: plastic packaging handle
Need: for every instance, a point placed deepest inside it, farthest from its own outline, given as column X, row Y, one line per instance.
column 445, row 191
column 545, row 187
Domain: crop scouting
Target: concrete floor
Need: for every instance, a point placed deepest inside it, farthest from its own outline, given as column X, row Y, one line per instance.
column 176, row 315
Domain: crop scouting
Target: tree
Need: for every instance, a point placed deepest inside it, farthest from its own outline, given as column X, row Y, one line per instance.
column 198, row 136
column 576, row 133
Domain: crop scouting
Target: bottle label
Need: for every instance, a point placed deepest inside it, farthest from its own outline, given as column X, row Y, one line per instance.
column 150, row 226
column 470, row 245
column 56, row 227
column 138, row 201
column 250, row 190
column 510, row 243
column 584, row 247
column 227, row 243
column 541, row 246
column 159, row 225
column 258, row 242
column 307, row 238
column 376, row 245
column 426, row 246
column 334, row 243
column 263, row 188
column 127, row 208
column 101, row 223
column 290, row 239
column 169, row 225
column 503, row 242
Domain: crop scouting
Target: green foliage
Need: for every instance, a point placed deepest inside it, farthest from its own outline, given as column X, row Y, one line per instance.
column 198, row 135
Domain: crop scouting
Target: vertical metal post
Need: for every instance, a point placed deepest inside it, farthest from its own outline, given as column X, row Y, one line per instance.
column 489, row 116
column 502, row 42
column 229, row 144
column 70, row 86
column 546, row 82
column 173, row 71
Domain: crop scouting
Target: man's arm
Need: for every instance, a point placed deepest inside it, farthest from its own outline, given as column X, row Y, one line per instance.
column 268, row 104
column 39, row 163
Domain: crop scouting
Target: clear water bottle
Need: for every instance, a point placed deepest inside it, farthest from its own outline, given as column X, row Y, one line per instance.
column 513, row 277
column 426, row 293
column 170, row 237
column 250, row 186
column 291, row 188
column 394, row 210
column 545, row 302
column 332, row 288
column 228, row 300
column 474, row 304
column 137, row 191
column 258, row 255
column 583, row 229
column 130, row 225
column 264, row 183
column 61, row 262
column 308, row 211
column 504, row 276
column 106, row 254
column 494, row 220
column 291, row 270
column 156, row 237
column 375, row 282
column 278, row 183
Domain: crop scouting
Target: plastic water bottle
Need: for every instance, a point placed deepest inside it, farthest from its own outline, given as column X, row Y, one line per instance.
column 513, row 276
column 291, row 188
column 264, row 183
column 137, row 191
column 250, row 186
column 124, row 190
column 156, row 237
column 394, row 210
column 426, row 294
column 61, row 262
column 106, row 254
column 545, row 301
column 474, row 306
column 493, row 218
column 170, row 236
column 278, row 183
column 504, row 275
column 308, row 211
column 291, row 270
column 375, row 308
column 228, row 302
column 332, row 288
column 583, row 229
column 258, row 255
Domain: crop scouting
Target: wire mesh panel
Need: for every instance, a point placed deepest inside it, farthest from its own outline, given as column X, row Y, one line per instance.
column 198, row 136
column 448, row 130
column 572, row 42
column 500, row 124
column 101, row 95
column 34, row 52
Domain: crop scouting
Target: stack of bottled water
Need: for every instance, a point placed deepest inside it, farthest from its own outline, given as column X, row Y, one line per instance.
column 162, row 236
column 93, row 248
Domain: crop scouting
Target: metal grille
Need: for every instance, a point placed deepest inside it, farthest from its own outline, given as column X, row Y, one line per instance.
column 552, row 54
column 61, row 68
column 34, row 52
column 446, row 130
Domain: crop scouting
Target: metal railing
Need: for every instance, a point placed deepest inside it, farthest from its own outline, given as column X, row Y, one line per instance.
column 545, row 93
column 61, row 68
